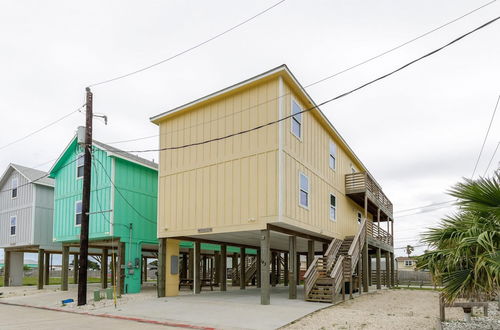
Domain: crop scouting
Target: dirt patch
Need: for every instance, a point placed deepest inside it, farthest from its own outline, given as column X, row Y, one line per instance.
column 387, row 309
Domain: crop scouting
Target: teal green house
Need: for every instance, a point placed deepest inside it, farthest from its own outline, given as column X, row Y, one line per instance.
column 123, row 208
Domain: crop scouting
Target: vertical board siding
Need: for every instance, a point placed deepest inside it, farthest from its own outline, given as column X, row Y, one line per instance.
column 21, row 206
column 44, row 213
column 310, row 155
column 68, row 190
column 139, row 186
column 223, row 183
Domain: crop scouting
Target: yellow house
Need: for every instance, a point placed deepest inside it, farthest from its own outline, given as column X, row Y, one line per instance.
column 406, row 263
column 258, row 165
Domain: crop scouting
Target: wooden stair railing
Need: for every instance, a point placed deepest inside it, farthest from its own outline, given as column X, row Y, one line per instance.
column 331, row 253
column 311, row 276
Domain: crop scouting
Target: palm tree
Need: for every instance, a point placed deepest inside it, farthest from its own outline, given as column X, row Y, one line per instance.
column 409, row 250
column 464, row 254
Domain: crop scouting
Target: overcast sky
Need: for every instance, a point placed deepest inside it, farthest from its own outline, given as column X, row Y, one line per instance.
column 418, row 132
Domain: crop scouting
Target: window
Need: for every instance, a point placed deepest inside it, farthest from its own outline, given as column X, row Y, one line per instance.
column 78, row 213
column 333, row 155
column 296, row 120
column 13, row 225
column 79, row 166
column 360, row 217
column 408, row 263
column 333, row 207
column 303, row 190
column 14, row 188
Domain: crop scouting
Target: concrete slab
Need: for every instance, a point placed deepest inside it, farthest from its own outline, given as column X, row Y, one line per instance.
column 233, row 309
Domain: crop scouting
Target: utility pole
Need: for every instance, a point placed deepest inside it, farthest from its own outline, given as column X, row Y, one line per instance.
column 84, row 229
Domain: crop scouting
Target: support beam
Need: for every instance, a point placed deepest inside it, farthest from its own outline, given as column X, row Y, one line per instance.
column 387, row 269
column 65, row 268
column 6, row 267
column 361, row 273
column 298, row 268
column 41, row 268
column 223, row 267
column 113, row 268
column 285, row 268
column 243, row 268
column 273, row 268
column 292, row 267
column 191, row 264
column 278, row 268
column 120, row 283
column 161, row 269
column 378, row 269
column 46, row 275
column 369, row 271
column 366, row 266
column 257, row 272
column 75, row 268
column 145, row 266
column 265, row 247
column 310, row 253
column 104, row 269
column 234, row 262
column 197, row 267
column 393, row 271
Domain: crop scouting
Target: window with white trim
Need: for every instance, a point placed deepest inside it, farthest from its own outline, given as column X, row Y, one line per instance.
column 303, row 190
column 360, row 217
column 408, row 263
column 13, row 225
column 14, row 187
column 333, row 155
column 296, row 120
column 333, row 207
column 79, row 165
column 78, row 213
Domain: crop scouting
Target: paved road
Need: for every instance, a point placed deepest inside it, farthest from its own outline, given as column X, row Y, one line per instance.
column 17, row 318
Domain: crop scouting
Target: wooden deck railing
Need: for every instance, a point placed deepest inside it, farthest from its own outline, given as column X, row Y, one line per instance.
column 331, row 253
column 357, row 243
column 378, row 233
column 311, row 276
column 363, row 182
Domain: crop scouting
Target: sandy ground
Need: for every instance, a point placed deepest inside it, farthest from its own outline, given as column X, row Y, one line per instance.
column 387, row 309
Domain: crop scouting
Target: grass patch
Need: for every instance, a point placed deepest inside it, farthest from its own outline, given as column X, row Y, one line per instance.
column 29, row 281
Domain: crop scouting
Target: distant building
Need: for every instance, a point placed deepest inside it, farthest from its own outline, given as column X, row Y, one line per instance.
column 406, row 263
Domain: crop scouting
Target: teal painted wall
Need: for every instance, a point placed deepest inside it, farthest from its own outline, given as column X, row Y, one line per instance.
column 135, row 214
column 68, row 190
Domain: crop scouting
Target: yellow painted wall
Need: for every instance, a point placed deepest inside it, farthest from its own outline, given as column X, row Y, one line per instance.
column 171, row 281
column 227, row 185
column 310, row 155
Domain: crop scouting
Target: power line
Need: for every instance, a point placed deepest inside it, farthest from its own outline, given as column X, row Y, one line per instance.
column 190, row 48
column 424, row 207
column 324, row 102
column 485, row 137
column 119, row 192
column 403, row 44
column 41, row 129
column 424, row 211
column 491, row 159
column 318, row 81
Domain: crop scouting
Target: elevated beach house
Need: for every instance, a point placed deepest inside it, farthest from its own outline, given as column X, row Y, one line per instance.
column 258, row 165
column 122, row 210
column 26, row 208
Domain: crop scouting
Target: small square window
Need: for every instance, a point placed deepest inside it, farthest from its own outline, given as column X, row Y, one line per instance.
column 333, row 155
column 303, row 190
column 79, row 165
column 78, row 213
column 14, row 187
column 296, row 120
column 13, row 225
column 333, row 207
column 360, row 217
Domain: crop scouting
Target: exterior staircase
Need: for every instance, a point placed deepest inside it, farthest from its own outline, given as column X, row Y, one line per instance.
column 327, row 274
column 250, row 271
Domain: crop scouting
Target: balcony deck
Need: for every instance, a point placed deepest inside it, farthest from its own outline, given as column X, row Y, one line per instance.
column 360, row 185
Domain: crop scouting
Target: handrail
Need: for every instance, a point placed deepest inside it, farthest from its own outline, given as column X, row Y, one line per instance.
column 378, row 233
column 331, row 253
column 311, row 276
